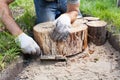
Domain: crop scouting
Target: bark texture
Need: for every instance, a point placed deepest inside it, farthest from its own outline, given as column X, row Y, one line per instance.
column 75, row 43
column 97, row 32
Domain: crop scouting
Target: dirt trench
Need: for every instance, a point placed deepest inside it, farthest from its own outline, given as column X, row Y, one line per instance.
column 102, row 63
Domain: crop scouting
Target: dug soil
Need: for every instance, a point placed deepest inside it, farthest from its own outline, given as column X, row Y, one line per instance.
column 99, row 63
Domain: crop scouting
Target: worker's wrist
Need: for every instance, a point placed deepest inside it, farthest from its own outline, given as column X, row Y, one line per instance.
column 67, row 17
column 20, row 37
column 21, row 34
column 17, row 33
column 72, row 15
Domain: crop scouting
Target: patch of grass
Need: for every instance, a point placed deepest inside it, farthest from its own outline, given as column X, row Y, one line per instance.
column 27, row 19
column 104, row 9
column 8, row 49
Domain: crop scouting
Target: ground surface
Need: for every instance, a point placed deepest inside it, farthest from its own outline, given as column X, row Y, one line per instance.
column 103, row 63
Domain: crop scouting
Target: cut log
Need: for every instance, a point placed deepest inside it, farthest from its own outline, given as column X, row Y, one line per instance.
column 97, row 32
column 74, row 44
column 91, row 18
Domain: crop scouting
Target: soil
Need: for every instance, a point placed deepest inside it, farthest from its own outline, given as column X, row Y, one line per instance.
column 96, row 63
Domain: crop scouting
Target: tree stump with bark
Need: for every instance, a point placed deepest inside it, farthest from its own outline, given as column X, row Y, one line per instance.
column 74, row 44
column 97, row 32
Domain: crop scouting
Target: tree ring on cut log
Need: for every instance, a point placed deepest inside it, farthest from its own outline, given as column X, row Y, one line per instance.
column 74, row 44
column 96, row 23
column 97, row 32
column 91, row 18
column 82, row 20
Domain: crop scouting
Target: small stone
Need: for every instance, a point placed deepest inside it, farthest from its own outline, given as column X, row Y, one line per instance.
column 60, row 64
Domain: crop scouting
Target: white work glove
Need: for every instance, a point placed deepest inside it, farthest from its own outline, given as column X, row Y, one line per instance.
column 62, row 27
column 27, row 44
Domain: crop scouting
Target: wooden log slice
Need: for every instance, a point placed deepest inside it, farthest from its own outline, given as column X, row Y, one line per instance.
column 97, row 32
column 74, row 44
column 91, row 18
column 82, row 20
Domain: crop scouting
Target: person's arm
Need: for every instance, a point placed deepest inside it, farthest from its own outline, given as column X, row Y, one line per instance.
column 26, row 43
column 73, row 9
column 7, row 19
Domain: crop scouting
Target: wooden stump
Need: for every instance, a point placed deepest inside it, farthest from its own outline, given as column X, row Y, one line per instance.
column 97, row 32
column 75, row 43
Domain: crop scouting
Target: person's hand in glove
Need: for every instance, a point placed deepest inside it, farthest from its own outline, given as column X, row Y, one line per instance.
column 62, row 27
column 27, row 44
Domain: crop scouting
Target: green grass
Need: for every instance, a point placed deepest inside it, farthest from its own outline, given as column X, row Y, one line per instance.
column 104, row 9
column 26, row 20
column 8, row 49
